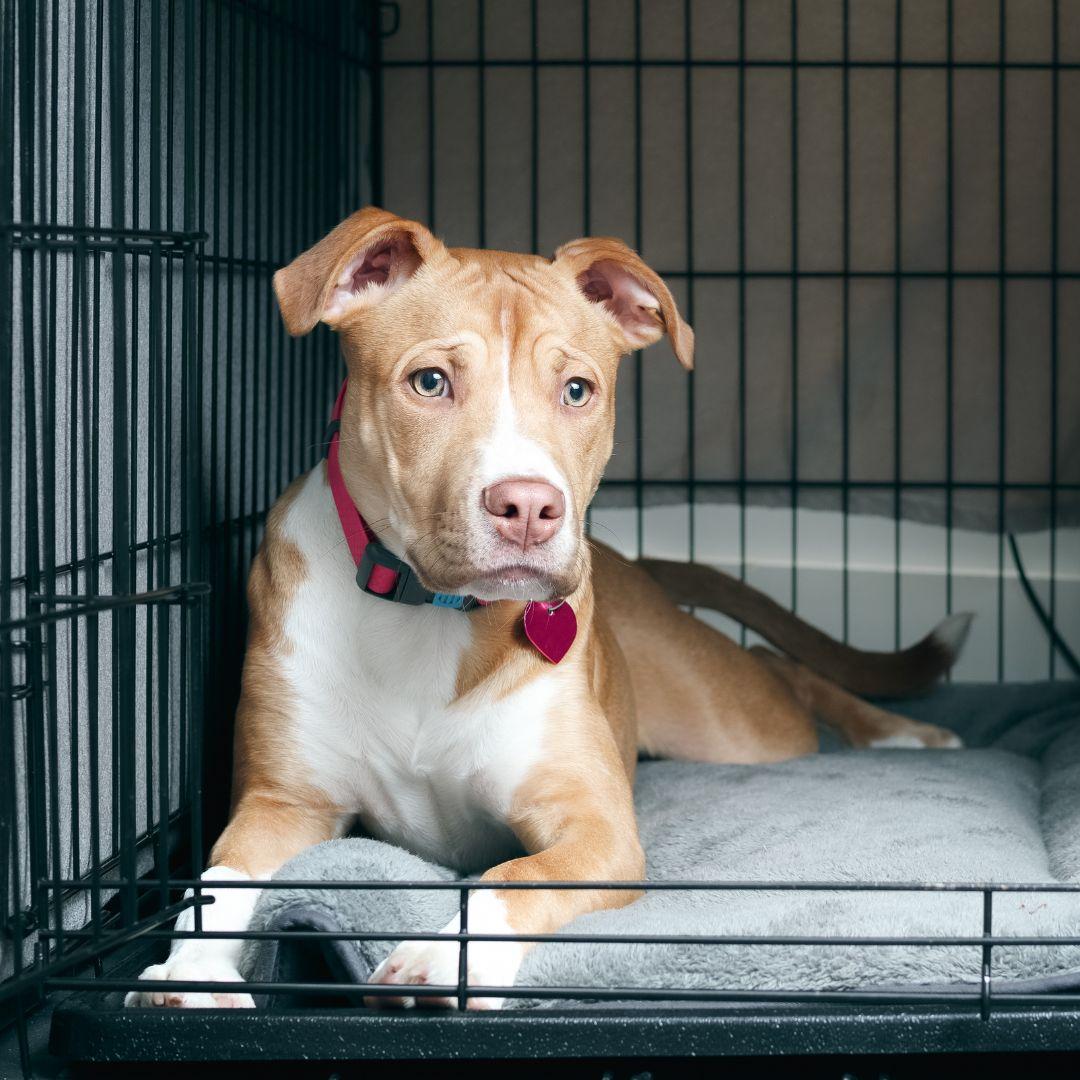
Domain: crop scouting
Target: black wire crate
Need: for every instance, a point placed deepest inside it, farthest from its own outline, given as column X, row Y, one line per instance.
column 980, row 997
column 593, row 1021
column 864, row 211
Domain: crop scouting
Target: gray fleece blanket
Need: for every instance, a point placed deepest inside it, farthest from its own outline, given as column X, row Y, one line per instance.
column 1006, row 809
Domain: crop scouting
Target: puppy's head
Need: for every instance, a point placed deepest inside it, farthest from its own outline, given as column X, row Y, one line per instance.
column 481, row 400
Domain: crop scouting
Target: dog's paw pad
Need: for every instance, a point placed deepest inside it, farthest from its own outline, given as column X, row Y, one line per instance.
column 179, row 970
column 435, row 963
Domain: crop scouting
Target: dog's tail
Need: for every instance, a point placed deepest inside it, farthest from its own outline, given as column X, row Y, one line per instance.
column 870, row 674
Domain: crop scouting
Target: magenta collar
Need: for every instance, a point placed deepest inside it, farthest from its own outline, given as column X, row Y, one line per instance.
column 550, row 626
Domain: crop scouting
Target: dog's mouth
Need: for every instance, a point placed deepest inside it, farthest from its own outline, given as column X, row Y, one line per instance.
column 505, row 581
column 480, row 566
column 517, row 581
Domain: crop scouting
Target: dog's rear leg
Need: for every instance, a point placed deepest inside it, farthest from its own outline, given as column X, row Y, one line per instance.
column 862, row 724
column 264, row 832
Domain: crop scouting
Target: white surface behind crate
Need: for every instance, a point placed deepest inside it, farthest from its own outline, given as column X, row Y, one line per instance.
column 871, row 576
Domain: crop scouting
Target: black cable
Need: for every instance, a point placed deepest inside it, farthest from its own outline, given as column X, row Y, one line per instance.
column 1048, row 623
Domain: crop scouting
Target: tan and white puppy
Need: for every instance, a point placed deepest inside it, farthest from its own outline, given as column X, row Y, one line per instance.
column 476, row 426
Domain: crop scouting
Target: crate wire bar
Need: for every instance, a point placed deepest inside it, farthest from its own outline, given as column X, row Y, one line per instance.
column 158, row 168
column 980, row 995
column 447, row 59
column 155, row 171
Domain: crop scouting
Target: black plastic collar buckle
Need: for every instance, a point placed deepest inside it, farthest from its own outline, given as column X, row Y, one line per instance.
column 408, row 589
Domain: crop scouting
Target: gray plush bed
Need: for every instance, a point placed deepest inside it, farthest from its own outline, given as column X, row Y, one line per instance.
column 1006, row 809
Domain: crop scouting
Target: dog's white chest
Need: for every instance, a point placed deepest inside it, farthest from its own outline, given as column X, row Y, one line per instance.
column 376, row 722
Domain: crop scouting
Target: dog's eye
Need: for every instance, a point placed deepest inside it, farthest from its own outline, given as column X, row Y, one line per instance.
column 576, row 392
column 430, row 383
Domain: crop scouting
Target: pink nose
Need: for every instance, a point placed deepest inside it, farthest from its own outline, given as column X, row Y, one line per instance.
column 525, row 512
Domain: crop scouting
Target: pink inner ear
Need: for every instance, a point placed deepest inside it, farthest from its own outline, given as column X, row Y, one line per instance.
column 373, row 274
column 595, row 286
column 635, row 308
column 374, row 269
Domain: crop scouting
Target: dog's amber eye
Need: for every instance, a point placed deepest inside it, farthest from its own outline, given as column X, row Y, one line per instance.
column 430, row 383
column 576, row 392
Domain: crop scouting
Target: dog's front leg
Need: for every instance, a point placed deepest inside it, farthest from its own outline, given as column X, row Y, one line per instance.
column 263, row 833
column 577, row 818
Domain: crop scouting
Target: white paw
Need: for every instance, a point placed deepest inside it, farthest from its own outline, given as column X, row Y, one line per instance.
column 435, row 963
column 200, row 969
column 920, row 737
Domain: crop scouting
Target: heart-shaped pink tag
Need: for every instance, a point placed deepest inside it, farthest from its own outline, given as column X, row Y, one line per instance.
column 551, row 628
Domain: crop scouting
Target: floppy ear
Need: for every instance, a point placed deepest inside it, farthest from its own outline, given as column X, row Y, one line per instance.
column 360, row 262
column 614, row 276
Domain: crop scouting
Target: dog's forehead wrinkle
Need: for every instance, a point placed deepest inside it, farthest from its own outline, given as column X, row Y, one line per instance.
column 491, row 295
